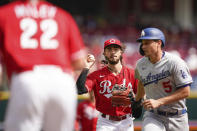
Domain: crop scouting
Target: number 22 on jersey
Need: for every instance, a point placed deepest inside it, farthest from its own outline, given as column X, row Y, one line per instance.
column 30, row 27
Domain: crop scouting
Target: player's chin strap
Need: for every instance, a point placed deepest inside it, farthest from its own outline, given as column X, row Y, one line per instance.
column 81, row 89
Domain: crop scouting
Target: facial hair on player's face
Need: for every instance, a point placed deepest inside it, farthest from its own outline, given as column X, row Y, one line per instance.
column 113, row 57
column 112, row 62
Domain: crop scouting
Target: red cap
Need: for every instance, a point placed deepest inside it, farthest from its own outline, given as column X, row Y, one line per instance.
column 112, row 42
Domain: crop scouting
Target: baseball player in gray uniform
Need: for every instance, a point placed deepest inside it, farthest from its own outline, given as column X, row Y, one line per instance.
column 164, row 82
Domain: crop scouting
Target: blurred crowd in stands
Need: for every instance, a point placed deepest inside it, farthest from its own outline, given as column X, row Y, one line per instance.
column 96, row 30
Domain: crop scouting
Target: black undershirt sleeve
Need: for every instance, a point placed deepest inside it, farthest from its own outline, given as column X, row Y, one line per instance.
column 81, row 89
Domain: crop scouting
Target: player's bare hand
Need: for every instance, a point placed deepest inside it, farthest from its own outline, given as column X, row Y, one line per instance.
column 90, row 61
column 151, row 104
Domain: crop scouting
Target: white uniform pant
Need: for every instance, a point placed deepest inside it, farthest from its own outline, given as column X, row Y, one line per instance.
column 104, row 124
column 44, row 98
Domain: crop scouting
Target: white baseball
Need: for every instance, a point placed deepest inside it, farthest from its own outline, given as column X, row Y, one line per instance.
column 91, row 58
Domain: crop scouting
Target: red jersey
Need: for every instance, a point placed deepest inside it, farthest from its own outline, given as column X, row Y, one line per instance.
column 40, row 34
column 102, row 82
column 87, row 116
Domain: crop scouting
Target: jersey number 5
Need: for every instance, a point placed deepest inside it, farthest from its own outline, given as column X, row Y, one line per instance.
column 167, row 87
column 29, row 26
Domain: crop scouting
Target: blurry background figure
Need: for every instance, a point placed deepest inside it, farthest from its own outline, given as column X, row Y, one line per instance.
column 87, row 114
column 41, row 46
column 191, row 59
column 175, row 52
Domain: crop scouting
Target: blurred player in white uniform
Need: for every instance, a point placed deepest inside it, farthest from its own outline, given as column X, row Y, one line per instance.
column 165, row 80
column 41, row 45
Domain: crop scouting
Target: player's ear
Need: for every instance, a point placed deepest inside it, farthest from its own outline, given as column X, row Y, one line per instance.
column 160, row 43
column 104, row 53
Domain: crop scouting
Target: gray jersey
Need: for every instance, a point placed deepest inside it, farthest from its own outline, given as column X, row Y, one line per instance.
column 163, row 78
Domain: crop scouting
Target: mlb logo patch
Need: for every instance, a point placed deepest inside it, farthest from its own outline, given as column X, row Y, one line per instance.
column 142, row 33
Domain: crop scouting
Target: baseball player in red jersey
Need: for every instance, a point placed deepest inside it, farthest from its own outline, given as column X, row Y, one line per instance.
column 87, row 114
column 41, row 45
column 111, row 118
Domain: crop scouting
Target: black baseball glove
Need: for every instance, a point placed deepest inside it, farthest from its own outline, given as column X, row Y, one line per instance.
column 136, row 108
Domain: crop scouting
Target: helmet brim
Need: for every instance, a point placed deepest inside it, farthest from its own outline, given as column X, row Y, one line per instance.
column 146, row 38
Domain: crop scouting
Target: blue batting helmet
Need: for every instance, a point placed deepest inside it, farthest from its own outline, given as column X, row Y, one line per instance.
column 152, row 34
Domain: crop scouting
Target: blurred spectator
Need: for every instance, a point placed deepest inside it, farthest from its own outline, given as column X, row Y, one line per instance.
column 191, row 59
column 175, row 52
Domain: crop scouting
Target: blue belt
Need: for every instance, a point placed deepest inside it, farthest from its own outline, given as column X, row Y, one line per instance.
column 165, row 113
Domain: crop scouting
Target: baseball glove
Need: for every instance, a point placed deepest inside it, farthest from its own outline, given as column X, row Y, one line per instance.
column 136, row 108
column 121, row 96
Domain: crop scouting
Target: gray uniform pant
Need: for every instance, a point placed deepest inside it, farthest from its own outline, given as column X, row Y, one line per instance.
column 155, row 122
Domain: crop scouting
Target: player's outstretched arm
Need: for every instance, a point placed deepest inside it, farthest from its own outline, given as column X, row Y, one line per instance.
column 140, row 91
column 81, row 89
column 176, row 96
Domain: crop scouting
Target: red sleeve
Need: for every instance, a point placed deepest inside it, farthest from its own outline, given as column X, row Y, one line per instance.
column 76, row 45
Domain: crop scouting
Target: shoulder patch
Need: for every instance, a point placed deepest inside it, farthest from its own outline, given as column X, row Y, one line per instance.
column 183, row 74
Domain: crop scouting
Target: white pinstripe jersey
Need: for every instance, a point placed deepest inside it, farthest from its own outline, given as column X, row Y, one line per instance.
column 163, row 78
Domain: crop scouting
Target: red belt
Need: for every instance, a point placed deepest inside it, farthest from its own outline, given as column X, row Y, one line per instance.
column 115, row 118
